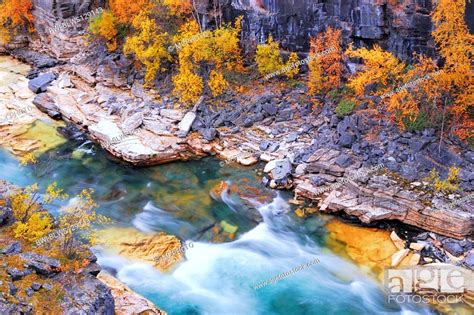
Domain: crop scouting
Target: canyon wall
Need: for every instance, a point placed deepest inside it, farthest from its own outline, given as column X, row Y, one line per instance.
column 401, row 26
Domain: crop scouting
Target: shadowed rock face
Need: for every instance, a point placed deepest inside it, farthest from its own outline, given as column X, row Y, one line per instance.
column 63, row 8
column 402, row 28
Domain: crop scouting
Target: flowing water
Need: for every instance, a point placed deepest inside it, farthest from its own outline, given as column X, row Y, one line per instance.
column 220, row 272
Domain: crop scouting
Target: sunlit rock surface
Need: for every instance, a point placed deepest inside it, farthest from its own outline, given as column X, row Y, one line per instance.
column 127, row 301
column 21, row 130
column 135, row 245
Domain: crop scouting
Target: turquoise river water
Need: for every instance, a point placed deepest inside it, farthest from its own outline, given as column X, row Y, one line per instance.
column 216, row 277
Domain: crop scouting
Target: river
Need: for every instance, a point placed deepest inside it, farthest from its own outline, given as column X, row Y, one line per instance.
column 221, row 270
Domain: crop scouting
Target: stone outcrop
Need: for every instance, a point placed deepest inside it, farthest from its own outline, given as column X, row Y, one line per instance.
column 381, row 199
column 135, row 245
column 127, row 301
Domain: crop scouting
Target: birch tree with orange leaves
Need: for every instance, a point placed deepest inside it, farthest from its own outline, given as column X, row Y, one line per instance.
column 325, row 66
column 456, row 46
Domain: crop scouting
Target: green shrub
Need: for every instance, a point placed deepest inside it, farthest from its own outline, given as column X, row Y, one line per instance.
column 345, row 107
column 416, row 122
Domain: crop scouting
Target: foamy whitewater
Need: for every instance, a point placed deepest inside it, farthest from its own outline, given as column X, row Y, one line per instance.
column 219, row 278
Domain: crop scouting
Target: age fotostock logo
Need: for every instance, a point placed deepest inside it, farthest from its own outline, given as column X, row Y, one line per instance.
column 421, row 284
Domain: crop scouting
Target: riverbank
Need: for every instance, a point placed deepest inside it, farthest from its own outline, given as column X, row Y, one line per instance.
column 313, row 148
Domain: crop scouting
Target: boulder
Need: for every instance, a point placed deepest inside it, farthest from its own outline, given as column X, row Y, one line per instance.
column 41, row 82
column 270, row 109
column 6, row 215
column 86, row 295
column 399, row 256
column 453, row 248
column 41, row 264
column 469, row 260
column 281, row 170
column 346, row 139
column 173, row 114
column 133, row 122
column 46, row 104
column 127, row 301
column 17, row 274
column 208, row 133
column 133, row 244
column 186, row 123
column 343, row 160
column 12, row 249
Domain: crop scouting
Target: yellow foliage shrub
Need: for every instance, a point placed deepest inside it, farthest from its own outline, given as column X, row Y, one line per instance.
column 105, row 26
column 80, row 215
column 291, row 64
column 268, row 57
column 24, row 203
column 31, row 222
column 451, row 183
column 209, row 53
column 217, row 83
column 187, row 85
column 148, row 44
column 35, row 227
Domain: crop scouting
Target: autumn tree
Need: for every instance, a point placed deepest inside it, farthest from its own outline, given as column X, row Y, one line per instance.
column 148, row 44
column 80, row 215
column 32, row 222
column 205, row 56
column 179, row 7
column 270, row 62
column 105, row 26
column 456, row 46
column 268, row 57
column 413, row 97
column 381, row 68
column 14, row 15
column 292, row 66
column 125, row 11
column 325, row 62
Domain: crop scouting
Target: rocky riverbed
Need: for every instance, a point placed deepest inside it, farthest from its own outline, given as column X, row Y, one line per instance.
column 307, row 149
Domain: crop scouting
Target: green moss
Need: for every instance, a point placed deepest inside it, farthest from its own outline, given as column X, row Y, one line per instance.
column 345, row 107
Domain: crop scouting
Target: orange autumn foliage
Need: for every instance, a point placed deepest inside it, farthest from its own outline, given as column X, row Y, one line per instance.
column 105, row 26
column 380, row 67
column 126, row 10
column 178, row 7
column 13, row 15
column 456, row 46
column 325, row 66
column 414, row 91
